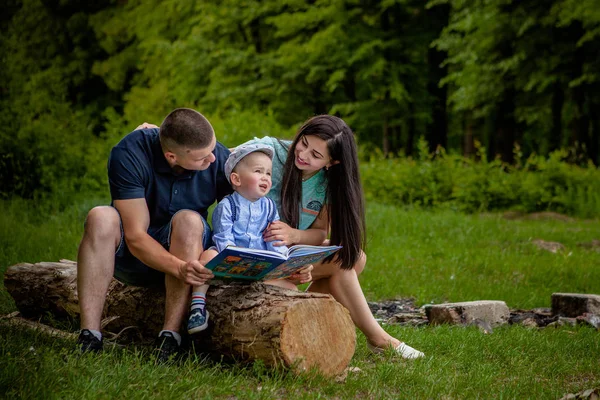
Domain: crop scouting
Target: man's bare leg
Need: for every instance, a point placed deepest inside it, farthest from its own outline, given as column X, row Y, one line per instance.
column 186, row 244
column 96, row 263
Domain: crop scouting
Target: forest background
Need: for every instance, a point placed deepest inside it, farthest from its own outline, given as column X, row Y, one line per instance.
column 458, row 101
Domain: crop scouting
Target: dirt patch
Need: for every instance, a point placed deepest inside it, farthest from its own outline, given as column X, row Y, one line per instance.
column 537, row 216
column 553, row 247
column 593, row 245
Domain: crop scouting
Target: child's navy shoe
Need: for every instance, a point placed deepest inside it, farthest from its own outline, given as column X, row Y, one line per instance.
column 198, row 320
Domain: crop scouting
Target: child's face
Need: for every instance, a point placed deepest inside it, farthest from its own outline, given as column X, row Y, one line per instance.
column 252, row 176
column 311, row 154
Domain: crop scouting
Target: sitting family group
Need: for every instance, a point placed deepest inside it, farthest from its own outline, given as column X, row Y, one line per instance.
column 272, row 194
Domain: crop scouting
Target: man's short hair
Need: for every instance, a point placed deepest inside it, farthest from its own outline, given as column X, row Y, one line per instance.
column 187, row 128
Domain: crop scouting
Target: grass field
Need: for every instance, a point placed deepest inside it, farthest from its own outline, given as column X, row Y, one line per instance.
column 431, row 256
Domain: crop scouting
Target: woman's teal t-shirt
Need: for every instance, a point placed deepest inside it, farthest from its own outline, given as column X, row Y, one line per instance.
column 313, row 189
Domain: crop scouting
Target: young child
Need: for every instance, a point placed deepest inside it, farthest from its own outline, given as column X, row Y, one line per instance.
column 241, row 218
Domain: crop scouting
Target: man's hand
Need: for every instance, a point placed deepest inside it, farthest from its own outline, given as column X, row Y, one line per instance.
column 194, row 273
column 146, row 125
column 280, row 233
column 302, row 276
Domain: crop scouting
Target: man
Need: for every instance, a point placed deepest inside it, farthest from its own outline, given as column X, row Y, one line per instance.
column 162, row 182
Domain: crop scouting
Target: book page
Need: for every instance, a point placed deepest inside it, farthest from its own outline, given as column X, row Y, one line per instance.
column 297, row 261
column 302, row 250
column 267, row 253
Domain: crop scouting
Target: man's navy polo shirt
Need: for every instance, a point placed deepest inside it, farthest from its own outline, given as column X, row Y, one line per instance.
column 137, row 168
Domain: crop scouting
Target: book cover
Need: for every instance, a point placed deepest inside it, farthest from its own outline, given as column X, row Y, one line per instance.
column 253, row 265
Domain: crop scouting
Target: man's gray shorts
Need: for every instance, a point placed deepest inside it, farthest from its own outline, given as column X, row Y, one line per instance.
column 132, row 271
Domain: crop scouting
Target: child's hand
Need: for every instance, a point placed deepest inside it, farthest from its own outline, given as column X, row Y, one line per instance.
column 281, row 233
column 302, row 276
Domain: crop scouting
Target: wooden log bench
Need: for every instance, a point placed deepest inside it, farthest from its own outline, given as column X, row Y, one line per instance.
column 248, row 322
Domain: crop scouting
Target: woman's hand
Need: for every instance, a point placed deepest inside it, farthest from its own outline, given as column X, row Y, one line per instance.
column 281, row 234
column 146, row 125
column 302, row 276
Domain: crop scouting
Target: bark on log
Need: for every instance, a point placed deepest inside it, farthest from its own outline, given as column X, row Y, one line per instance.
column 248, row 322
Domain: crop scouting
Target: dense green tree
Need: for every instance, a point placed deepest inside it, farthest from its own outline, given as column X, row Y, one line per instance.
column 51, row 103
column 364, row 60
column 518, row 76
column 525, row 72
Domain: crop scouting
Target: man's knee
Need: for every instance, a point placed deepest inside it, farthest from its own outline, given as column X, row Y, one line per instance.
column 103, row 223
column 187, row 224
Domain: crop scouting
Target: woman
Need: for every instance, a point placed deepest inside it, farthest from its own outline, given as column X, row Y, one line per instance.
column 316, row 186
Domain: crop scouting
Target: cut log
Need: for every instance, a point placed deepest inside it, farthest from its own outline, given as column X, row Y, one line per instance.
column 247, row 321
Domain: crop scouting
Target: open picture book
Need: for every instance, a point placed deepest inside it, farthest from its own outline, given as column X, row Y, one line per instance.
column 254, row 265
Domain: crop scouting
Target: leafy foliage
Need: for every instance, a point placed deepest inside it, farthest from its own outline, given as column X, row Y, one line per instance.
column 444, row 180
column 48, row 123
column 77, row 76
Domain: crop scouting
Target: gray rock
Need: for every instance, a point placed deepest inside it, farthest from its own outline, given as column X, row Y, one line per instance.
column 590, row 394
column 530, row 323
column 491, row 311
column 563, row 321
column 592, row 320
column 482, row 325
column 575, row 304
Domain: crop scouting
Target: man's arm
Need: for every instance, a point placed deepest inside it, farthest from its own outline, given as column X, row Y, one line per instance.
column 136, row 219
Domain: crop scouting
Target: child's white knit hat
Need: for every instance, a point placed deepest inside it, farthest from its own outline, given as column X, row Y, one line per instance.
column 242, row 151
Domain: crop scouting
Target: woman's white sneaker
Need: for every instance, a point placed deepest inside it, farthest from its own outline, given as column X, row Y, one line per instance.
column 404, row 350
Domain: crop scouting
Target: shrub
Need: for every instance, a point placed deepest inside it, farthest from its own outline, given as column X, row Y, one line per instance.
column 453, row 181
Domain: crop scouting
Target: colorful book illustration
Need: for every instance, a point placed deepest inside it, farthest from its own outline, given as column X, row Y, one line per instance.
column 254, row 265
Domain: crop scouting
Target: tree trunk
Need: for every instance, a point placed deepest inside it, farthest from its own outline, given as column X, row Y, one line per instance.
column 595, row 138
column 468, row 140
column 247, row 321
column 506, row 127
column 386, row 138
column 412, row 130
column 437, row 130
column 558, row 100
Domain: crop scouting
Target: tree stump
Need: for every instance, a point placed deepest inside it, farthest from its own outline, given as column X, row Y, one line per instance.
column 247, row 321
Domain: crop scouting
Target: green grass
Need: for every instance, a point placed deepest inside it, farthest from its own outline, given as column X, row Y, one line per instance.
column 447, row 256
column 513, row 362
column 432, row 256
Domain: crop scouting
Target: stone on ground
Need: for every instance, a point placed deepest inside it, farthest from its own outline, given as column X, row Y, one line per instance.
column 575, row 304
column 490, row 311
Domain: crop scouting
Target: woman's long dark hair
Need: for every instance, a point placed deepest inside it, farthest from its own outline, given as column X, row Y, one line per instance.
column 344, row 196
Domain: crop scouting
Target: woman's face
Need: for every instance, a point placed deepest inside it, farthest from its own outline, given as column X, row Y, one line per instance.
column 311, row 154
